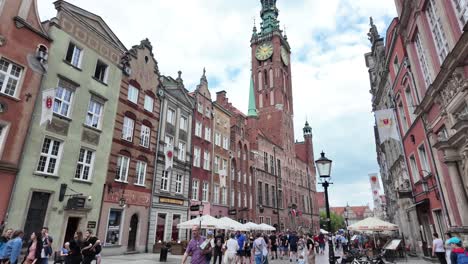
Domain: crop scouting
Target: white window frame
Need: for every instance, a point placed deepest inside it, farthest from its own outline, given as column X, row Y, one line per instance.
column 141, row 173
column 133, row 94
column 149, row 103
column 171, row 116
column 61, row 102
column 169, row 140
column 179, row 184
column 205, row 191
column 233, row 197
column 461, row 9
column 183, row 123
column 4, row 129
column 122, row 162
column 196, row 157
column 424, row 63
column 49, row 156
column 145, row 136
column 224, row 196
column 182, row 150
column 414, row 168
column 165, row 180
column 217, row 139
column 410, row 104
column 403, row 119
column 198, row 129
column 94, row 114
column 127, row 128
column 75, row 59
column 200, row 107
column 9, row 76
column 208, row 134
column 85, row 164
column 208, row 112
column 225, row 143
column 424, row 159
column 206, row 160
column 217, row 163
column 216, row 194
column 195, row 186
column 239, row 199
column 437, row 31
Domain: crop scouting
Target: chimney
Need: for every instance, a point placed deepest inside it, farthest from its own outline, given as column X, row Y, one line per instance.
column 221, row 97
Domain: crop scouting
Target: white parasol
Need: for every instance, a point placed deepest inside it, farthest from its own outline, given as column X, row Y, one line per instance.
column 251, row 226
column 207, row 222
column 266, row 227
column 373, row 224
column 233, row 224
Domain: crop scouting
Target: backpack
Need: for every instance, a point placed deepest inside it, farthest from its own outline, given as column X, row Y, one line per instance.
column 462, row 258
column 219, row 243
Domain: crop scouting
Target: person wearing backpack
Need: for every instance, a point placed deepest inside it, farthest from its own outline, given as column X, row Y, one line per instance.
column 218, row 252
column 459, row 255
column 438, row 249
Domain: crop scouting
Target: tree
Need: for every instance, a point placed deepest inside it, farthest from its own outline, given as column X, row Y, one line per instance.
column 337, row 221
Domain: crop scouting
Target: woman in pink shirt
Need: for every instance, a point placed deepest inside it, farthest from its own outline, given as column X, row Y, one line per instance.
column 33, row 254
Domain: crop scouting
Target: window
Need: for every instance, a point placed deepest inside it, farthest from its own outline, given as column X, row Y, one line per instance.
column 127, row 131
column 140, row 173
column 226, row 143
column 206, row 160
column 122, row 169
column 224, row 196
column 74, row 55
column 62, row 101
column 273, row 196
column 161, row 227
column 437, row 31
column 145, row 136
column 198, row 129
column 414, row 169
column 260, row 193
column 461, row 8
column 272, row 97
column 200, row 108
column 224, row 165
column 84, row 168
column 171, row 116
column 195, row 190
column 245, row 178
column 182, row 150
column 404, row 121
column 396, row 65
column 113, row 227
column 422, row 60
column 50, row 156
column 216, row 164
column 207, row 133
column 217, row 139
column 169, row 140
column 93, row 118
column 239, row 198
column 175, row 231
column 265, row 161
column 260, row 101
column 179, row 183
column 250, row 201
column 245, row 199
column 4, row 127
column 216, row 194
column 261, row 220
column 232, row 197
column 133, row 94
column 183, row 123
column 271, row 78
column 410, row 104
column 149, row 103
column 272, row 165
column 267, row 194
column 239, row 176
column 424, row 160
column 165, row 181
column 101, row 71
column 208, row 112
column 205, row 192
column 196, row 156
column 10, row 75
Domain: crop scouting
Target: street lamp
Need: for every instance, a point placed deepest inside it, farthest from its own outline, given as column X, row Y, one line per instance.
column 324, row 170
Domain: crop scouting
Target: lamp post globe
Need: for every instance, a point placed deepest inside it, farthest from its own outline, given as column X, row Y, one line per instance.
column 323, row 166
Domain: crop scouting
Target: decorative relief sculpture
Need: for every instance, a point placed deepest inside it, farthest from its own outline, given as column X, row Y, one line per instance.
column 90, row 137
column 456, row 84
column 58, row 126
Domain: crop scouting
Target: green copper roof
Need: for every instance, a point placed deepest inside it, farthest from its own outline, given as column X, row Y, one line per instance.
column 252, row 107
column 269, row 16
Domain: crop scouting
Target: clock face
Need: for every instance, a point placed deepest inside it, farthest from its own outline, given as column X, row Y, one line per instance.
column 284, row 56
column 264, row 51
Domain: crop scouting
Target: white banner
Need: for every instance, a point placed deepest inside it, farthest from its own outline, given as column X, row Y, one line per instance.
column 386, row 124
column 168, row 156
column 47, row 106
column 222, row 178
column 374, row 181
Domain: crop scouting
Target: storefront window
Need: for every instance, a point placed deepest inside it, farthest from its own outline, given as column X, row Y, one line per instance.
column 160, row 226
column 175, row 230
column 113, row 227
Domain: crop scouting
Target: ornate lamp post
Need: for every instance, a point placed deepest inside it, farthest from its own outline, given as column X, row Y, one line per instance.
column 324, row 170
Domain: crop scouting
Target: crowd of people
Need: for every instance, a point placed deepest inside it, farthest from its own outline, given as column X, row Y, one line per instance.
column 450, row 251
column 79, row 250
column 247, row 248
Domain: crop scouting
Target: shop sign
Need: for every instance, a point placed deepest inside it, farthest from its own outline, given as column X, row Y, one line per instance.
column 232, row 212
column 171, row 201
column 91, row 224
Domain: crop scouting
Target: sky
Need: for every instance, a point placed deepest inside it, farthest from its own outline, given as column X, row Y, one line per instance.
column 330, row 80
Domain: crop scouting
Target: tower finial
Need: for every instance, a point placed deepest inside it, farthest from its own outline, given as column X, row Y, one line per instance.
column 269, row 16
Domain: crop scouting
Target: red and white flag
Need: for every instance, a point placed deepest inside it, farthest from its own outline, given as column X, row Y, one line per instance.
column 374, row 181
column 386, row 125
column 169, row 156
column 47, row 104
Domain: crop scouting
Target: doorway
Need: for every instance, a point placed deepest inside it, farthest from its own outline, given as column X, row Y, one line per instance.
column 36, row 213
column 132, row 233
column 72, row 226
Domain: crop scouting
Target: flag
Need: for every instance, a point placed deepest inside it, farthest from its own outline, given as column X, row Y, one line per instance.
column 169, row 156
column 222, row 178
column 374, row 181
column 46, row 105
column 386, row 125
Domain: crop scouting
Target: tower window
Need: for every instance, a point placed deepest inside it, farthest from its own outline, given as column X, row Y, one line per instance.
column 260, row 82
column 271, row 78
column 265, row 78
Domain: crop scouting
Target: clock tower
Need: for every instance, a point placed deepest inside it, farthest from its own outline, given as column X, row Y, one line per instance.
column 271, row 70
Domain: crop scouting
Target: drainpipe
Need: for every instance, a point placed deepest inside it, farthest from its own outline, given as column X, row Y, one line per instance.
column 213, row 134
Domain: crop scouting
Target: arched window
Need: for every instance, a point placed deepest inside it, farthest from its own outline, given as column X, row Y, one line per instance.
column 260, row 82
column 260, row 100
column 271, row 78
column 272, row 98
column 265, row 78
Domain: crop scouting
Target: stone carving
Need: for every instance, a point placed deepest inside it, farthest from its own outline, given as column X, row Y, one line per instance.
column 373, row 34
column 2, row 40
column 125, row 63
column 90, row 137
column 456, row 84
column 58, row 126
column 463, row 114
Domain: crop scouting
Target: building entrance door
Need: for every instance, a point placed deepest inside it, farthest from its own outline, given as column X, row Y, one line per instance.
column 132, row 233
column 72, row 227
column 36, row 212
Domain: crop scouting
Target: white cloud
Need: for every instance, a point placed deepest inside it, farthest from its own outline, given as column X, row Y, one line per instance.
column 328, row 40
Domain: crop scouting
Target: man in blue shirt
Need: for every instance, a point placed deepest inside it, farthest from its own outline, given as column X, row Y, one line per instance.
column 241, row 252
column 13, row 247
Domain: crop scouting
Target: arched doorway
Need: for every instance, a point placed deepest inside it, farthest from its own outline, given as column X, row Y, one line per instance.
column 132, row 233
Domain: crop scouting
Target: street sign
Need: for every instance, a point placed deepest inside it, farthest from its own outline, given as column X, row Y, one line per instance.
column 195, row 208
column 232, row 212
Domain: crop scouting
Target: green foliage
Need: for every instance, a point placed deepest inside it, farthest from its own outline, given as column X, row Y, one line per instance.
column 337, row 221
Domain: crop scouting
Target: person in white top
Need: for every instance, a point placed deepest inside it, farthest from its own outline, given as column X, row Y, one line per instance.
column 231, row 246
column 438, row 249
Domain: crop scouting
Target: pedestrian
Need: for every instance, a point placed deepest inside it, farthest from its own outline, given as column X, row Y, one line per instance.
column 259, row 249
column 210, row 246
column 293, row 239
column 321, row 240
column 46, row 245
column 274, row 245
column 218, row 247
column 438, row 249
column 459, row 255
column 283, row 246
column 194, row 248
column 310, row 248
column 240, row 253
column 13, row 247
column 33, row 253
column 231, row 248
column 6, row 236
column 248, row 249
column 74, row 256
column 88, row 249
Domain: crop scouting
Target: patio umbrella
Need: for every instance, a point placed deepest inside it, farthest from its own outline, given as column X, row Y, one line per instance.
column 266, row 227
column 373, row 224
column 232, row 224
column 207, row 222
column 251, row 226
column 323, row 231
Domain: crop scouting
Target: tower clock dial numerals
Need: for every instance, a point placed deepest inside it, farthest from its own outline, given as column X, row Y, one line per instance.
column 284, row 56
column 264, row 51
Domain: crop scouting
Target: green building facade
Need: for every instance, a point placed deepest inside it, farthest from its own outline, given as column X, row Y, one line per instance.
column 65, row 162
